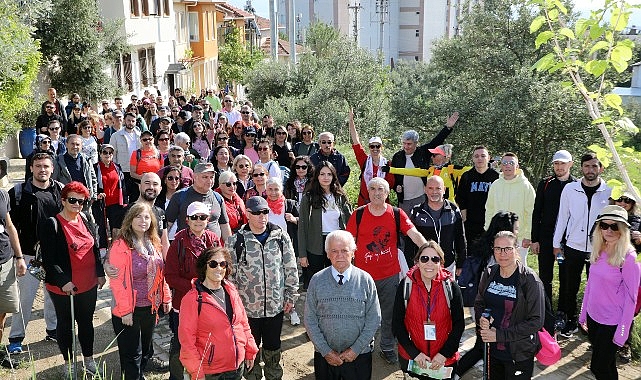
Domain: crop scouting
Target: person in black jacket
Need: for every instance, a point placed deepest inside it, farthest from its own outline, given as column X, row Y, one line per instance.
column 546, row 209
column 408, row 189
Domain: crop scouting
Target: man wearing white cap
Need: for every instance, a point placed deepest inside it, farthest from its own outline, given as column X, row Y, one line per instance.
column 371, row 165
column 546, row 209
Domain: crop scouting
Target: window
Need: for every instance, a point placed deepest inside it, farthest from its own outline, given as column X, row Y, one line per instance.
column 147, row 62
column 154, row 7
column 418, row 33
column 193, row 27
column 135, row 7
column 122, row 72
column 165, row 7
column 181, row 27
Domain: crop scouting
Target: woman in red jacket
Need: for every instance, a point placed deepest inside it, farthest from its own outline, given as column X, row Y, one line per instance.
column 214, row 332
column 139, row 289
column 430, row 323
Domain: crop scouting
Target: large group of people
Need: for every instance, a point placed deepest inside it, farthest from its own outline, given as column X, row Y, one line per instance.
column 203, row 211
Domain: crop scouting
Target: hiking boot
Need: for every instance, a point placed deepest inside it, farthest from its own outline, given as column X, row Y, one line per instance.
column 389, row 356
column 625, row 354
column 294, row 318
column 15, row 348
column 570, row 329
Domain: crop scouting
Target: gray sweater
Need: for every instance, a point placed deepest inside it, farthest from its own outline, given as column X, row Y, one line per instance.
column 338, row 317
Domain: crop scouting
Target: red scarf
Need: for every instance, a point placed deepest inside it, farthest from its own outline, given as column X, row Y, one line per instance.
column 277, row 205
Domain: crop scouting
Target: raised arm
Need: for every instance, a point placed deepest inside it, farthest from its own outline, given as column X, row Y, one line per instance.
column 352, row 128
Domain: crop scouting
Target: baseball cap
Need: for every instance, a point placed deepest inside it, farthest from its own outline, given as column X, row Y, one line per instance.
column 438, row 150
column 248, row 130
column 146, row 132
column 106, row 146
column 204, row 168
column 375, row 139
column 196, row 208
column 562, row 156
column 256, row 203
column 165, row 118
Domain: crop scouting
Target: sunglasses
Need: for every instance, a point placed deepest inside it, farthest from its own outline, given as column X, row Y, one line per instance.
column 50, row 107
column 326, row 142
column 86, row 127
column 164, row 139
column 258, row 175
column 625, row 200
column 604, row 226
column 245, row 112
column 307, row 133
column 304, row 167
column 172, row 178
column 262, row 149
column 213, row 264
column 201, row 217
column 509, row 163
column 425, row 259
column 281, row 133
column 227, row 101
column 73, row 201
column 146, row 140
column 250, row 134
column 243, row 166
column 375, row 147
column 263, row 212
column 54, row 128
column 45, row 142
column 229, row 184
column 108, row 152
column 223, row 138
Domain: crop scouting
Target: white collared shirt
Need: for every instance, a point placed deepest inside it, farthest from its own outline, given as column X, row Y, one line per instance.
column 346, row 274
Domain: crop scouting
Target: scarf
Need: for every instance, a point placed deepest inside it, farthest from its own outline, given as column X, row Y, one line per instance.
column 277, row 205
column 147, row 251
column 299, row 184
column 368, row 170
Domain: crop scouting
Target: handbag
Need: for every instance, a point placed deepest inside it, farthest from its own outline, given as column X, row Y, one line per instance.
column 550, row 352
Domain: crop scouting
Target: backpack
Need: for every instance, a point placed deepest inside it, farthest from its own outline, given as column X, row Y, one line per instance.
column 469, row 279
column 397, row 221
column 447, row 289
column 241, row 251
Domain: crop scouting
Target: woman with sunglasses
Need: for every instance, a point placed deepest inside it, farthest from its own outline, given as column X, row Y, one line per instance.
column 303, row 171
column 72, row 263
column 512, row 294
column 307, row 146
column 146, row 159
column 58, row 142
column 171, row 182
column 215, row 337
column 139, row 288
column 611, row 293
column 324, row 208
column 371, row 164
column 162, row 141
column 428, row 314
column 242, row 166
column 74, row 119
column 282, row 147
column 249, row 144
column 89, row 142
column 234, row 204
column 260, row 174
column 183, row 252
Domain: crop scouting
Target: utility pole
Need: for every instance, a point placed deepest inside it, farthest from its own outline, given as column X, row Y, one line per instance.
column 274, row 30
column 292, row 32
column 382, row 9
column 356, row 8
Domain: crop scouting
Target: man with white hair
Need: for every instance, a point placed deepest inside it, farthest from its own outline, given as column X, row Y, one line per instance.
column 191, row 155
column 328, row 153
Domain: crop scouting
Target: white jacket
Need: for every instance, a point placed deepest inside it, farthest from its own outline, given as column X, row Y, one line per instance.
column 122, row 150
column 573, row 221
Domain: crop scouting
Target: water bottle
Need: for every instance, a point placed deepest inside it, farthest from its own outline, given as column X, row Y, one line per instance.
column 487, row 314
column 560, row 258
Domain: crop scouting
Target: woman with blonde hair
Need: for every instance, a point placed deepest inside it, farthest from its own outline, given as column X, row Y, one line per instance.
column 139, row 289
column 611, row 292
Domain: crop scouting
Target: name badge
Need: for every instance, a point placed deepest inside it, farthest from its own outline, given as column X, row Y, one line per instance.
column 1, row 228
column 429, row 329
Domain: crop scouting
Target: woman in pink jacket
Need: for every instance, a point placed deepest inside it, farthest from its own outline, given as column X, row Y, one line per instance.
column 214, row 333
column 139, row 289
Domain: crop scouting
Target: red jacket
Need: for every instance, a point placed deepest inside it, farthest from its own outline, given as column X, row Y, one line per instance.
column 180, row 266
column 210, row 342
column 416, row 315
column 124, row 294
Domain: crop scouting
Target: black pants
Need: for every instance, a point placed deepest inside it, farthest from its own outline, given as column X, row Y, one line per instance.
column 471, row 357
column 511, row 370
column 316, row 264
column 105, row 218
column 546, row 269
column 359, row 369
column 603, row 363
column 135, row 342
column 267, row 330
column 175, row 366
column 404, row 363
column 84, row 307
column 133, row 188
column 569, row 289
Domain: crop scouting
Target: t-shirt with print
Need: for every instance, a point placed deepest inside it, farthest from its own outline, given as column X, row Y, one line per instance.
column 177, row 208
column 376, row 249
column 500, row 296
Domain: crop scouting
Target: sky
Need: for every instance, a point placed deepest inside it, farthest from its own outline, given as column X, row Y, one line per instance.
column 583, row 6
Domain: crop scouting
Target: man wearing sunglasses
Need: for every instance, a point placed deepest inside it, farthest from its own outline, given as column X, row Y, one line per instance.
column 267, row 281
column 581, row 203
column 327, row 152
column 47, row 116
column 58, row 109
column 228, row 109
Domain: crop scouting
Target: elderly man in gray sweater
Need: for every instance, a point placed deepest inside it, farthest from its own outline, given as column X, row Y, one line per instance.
column 342, row 314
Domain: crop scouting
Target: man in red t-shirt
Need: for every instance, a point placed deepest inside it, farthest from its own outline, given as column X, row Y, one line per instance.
column 377, row 253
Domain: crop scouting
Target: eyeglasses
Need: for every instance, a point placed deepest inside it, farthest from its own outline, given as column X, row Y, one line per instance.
column 107, row 152
column 172, row 178
column 604, row 226
column 306, row 132
column 281, row 133
column 509, row 163
column 327, row 142
column 261, row 212
column 45, row 142
column 243, row 166
column 258, row 175
column 375, row 147
column 146, row 139
column 503, row 250
column 625, row 200
column 164, row 139
column 263, row 149
column 250, row 134
column 304, row 167
column 73, row 201
column 201, row 217
column 229, row 184
column 222, row 138
column 245, row 112
column 175, row 111
column 425, row 259
column 213, row 264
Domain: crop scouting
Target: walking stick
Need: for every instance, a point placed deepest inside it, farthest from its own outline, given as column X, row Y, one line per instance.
column 74, row 373
column 487, row 314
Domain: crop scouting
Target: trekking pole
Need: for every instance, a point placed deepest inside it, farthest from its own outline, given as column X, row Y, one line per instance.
column 487, row 314
column 74, row 373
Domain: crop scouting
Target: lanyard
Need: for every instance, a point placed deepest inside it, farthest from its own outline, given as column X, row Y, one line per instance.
column 430, row 303
column 437, row 231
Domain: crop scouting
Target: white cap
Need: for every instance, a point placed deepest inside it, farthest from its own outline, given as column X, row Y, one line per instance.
column 562, row 156
column 375, row 139
column 196, row 208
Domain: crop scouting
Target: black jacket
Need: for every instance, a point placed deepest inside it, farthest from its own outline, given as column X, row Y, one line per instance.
column 546, row 207
column 420, row 158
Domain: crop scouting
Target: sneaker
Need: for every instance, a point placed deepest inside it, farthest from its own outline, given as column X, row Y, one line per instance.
column 15, row 348
column 560, row 322
column 51, row 336
column 8, row 362
column 625, row 354
column 67, row 370
column 570, row 329
column 294, row 318
column 156, row 364
column 389, row 356
column 91, row 368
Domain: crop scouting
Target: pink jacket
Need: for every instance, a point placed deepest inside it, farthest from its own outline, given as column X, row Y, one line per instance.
column 210, row 342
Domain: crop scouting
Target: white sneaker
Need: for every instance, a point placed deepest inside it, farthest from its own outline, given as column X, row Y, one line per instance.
column 294, row 318
column 91, row 368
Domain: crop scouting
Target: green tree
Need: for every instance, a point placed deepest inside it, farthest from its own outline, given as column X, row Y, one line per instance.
column 20, row 61
column 486, row 75
column 319, row 37
column 235, row 59
column 79, row 46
